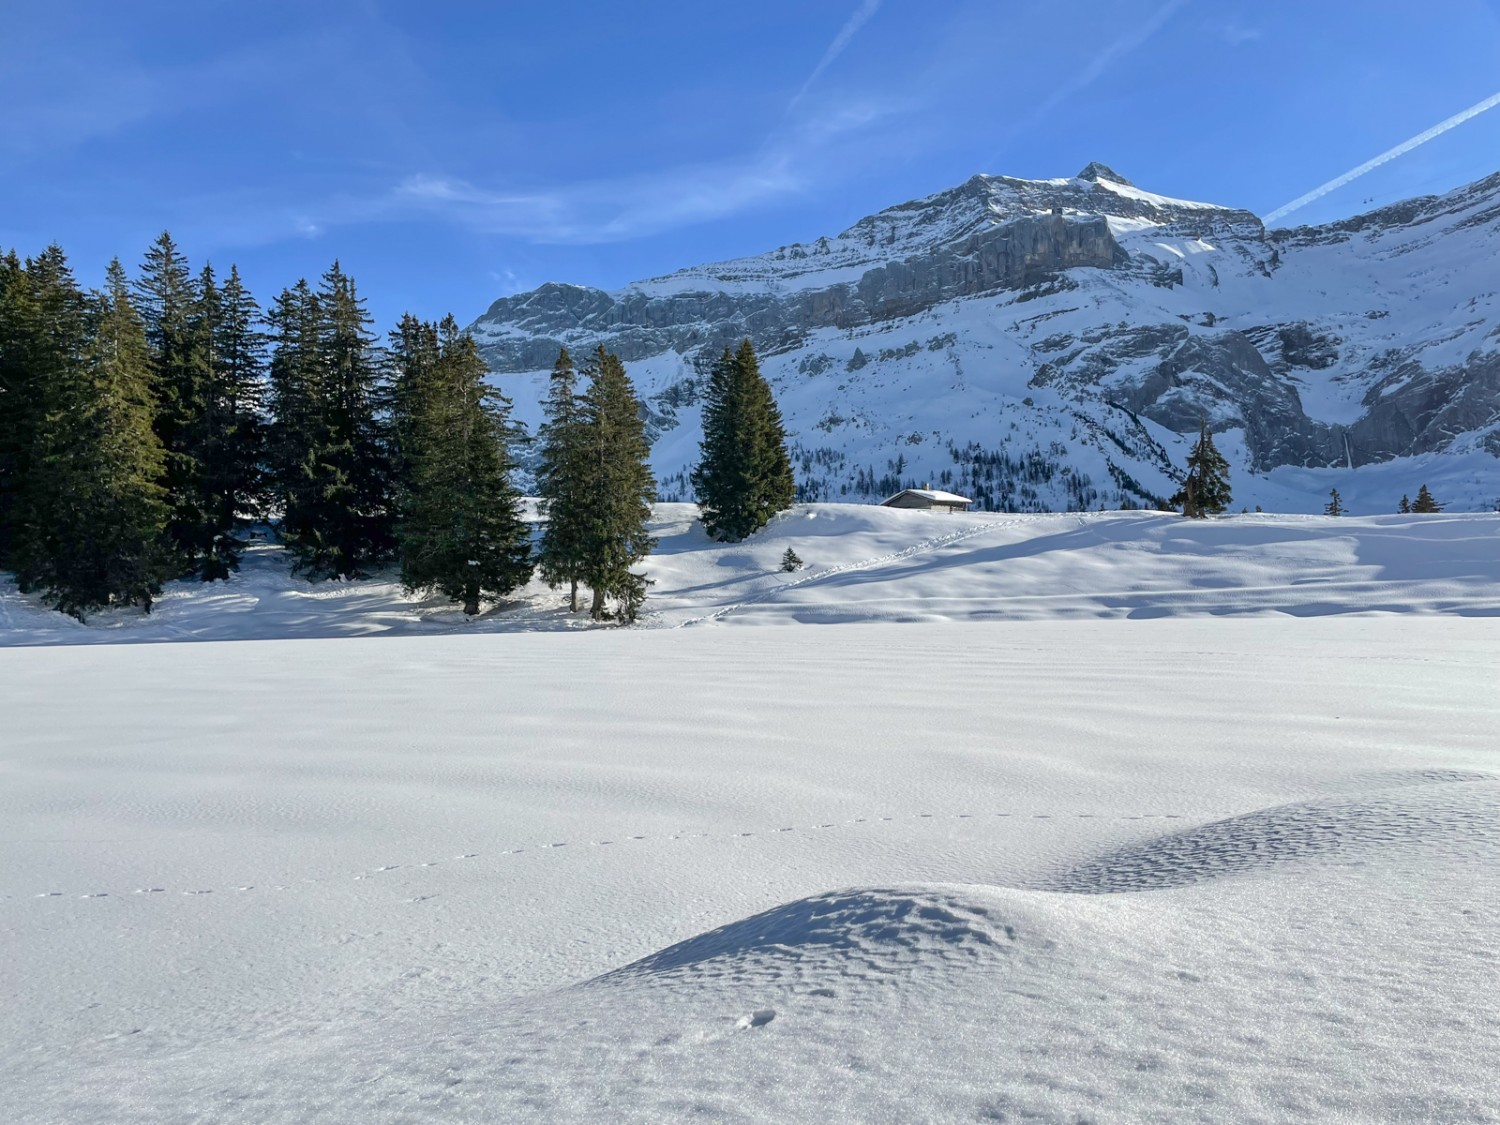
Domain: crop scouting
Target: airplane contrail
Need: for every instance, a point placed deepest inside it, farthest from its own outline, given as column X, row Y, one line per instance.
column 861, row 16
column 1390, row 154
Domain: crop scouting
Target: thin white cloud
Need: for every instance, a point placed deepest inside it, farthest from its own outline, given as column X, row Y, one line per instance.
column 627, row 207
column 861, row 16
column 1385, row 157
column 1234, row 34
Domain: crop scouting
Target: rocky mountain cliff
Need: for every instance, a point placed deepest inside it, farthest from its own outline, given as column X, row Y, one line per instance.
column 1050, row 344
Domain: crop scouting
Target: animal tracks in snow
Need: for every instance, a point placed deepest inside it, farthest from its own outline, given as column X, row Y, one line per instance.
column 580, row 846
column 1405, row 806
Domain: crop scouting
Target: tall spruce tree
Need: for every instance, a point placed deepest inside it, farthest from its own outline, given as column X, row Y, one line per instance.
column 166, row 297
column 227, row 360
column 562, row 475
column 46, row 340
column 460, row 529
column 355, row 519
column 17, row 390
column 414, row 353
column 619, row 486
column 296, row 396
column 744, row 476
column 1205, row 489
column 235, row 476
column 330, row 449
column 93, row 511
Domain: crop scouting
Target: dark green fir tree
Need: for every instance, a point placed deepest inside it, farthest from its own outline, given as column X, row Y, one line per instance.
column 562, row 476
column 166, row 298
column 330, row 452
column 1205, row 488
column 744, row 476
column 228, row 358
column 298, row 416
column 1424, row 503
column 18, row 390
column 1404, row 508
column 619, row 486
column 460, row 529
column 1335, row 505
column 236, row 479
column 92, row 513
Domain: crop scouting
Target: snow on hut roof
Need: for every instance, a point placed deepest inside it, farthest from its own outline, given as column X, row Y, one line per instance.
column 937, row 496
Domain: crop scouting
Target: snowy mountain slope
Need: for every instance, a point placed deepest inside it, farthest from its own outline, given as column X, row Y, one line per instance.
column 1049, row 345
column 866, row 563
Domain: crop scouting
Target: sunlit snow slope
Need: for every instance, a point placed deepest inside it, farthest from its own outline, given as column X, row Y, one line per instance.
column 868, row 563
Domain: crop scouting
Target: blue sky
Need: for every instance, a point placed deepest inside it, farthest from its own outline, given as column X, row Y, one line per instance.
column 451, row 153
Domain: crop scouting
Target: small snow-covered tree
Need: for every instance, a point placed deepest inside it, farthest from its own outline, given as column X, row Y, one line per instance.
column 791, row 561
column 1335, row 505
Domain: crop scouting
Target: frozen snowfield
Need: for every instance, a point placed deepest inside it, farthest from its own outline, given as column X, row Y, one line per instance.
column 1111, row 818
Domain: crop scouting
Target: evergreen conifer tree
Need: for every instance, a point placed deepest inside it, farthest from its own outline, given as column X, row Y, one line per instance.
column 166, row 298
column 1405, row 506
column 17, row 390
column 1424, row 502
column 45, row 341
column 1335, row 505
column 619, row 486
column 561, row 479
column 1205, row 489
column 227, row 358
column 236, row 474
column 745, row 474
column 460, row 529
column 330, row 456
column 414, row 355
column 92, row 511
column 297, row 414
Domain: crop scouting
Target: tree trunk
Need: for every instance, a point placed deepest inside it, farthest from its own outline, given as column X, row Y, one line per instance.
column 471, row 606
column 573, row 601
column 596, row 611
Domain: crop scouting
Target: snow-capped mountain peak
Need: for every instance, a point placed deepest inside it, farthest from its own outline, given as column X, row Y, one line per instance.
column 1049, row 344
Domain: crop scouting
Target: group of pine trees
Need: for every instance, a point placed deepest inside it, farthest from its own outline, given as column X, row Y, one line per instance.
column 1205, row 486
column 145, row 425
column 1423, row 504
column 130, row 426
column 595, row 484
column 596, row 487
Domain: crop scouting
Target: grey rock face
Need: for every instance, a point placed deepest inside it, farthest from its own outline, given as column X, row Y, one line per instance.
column 638, row 323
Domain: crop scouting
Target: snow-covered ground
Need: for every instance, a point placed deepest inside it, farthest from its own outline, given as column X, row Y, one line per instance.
column 867, row 563
column 966, row 867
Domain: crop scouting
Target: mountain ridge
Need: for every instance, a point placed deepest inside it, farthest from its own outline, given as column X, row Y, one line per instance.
column 1085, row 323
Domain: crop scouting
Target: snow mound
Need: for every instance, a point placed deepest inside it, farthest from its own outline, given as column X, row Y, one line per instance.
column 864, row 931
column 1461, row 818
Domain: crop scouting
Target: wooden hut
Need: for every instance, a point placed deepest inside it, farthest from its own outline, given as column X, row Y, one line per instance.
column 928, row 498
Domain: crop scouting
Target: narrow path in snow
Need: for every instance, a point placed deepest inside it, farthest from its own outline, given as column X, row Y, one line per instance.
column 578, row 845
